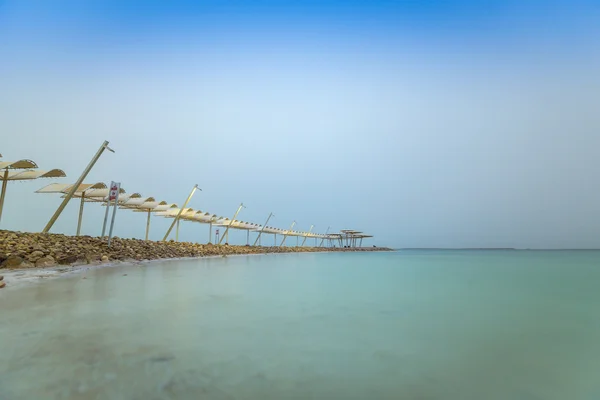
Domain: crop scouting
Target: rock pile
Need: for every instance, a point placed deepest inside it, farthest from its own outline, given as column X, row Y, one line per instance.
column 28, row 250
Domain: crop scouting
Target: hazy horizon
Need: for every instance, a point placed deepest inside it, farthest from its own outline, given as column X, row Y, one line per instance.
column 425, row 124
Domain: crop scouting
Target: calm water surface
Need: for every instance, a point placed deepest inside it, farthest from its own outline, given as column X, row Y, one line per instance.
column 455, row 325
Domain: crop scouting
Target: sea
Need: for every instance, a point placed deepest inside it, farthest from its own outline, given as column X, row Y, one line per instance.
column 414, row 324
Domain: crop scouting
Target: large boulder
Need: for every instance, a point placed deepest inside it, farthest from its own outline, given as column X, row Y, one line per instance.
column 43, row 262
column 66, row 258
column 12, row 262
column 35, row 255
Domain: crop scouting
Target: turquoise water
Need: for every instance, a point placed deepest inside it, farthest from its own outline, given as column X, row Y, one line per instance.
column 481, row 325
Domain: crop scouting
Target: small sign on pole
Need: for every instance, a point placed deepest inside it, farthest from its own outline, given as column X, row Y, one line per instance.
column 113, row 196
column 217, row 236
column 114, row 190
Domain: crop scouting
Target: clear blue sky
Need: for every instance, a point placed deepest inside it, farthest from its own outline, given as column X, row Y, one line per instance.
column 425, row 123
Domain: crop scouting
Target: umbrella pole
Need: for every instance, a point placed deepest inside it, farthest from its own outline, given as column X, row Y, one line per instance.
column 148, row 225
column 80, row 214
column 3, row 193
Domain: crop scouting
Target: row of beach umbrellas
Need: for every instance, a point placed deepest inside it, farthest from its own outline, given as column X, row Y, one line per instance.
column 98, row 192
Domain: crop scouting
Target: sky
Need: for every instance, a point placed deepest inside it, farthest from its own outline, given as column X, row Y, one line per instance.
column 424, row 123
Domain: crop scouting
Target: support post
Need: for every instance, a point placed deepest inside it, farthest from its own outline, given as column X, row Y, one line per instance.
column 263, row 227
column 80, row 213
column 112, row 221
column 180, row 212
column 226, row 233
column 305, row 236
column 286, row 233
column 326, row 232
column 210, row 232
column 247, row 237
column 148, row 225
column 177, row 232
column 3, row 193
column 105, row 217
column 76, row 186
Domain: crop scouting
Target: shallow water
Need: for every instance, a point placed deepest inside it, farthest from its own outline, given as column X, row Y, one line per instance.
column 454, row 325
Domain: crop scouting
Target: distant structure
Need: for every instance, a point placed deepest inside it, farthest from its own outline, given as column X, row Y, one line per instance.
column 351, row 238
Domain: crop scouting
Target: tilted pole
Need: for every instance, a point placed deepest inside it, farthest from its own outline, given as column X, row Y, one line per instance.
column 76, row 186
column 310, row 230
column 180, row 211
column 231, row 222
column 80, row 213
column 105, row 216
column 326, row 232
column 3, row 193
column 286, row 233
column 263, row 227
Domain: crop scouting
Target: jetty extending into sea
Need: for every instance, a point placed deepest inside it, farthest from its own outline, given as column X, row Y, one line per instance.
column 101, row 193
column 20, row 250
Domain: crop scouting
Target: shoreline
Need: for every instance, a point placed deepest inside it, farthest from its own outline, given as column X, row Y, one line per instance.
column 16, row 278
column 28, row 258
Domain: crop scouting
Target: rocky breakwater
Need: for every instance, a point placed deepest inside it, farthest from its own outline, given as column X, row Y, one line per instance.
column 20, row 250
